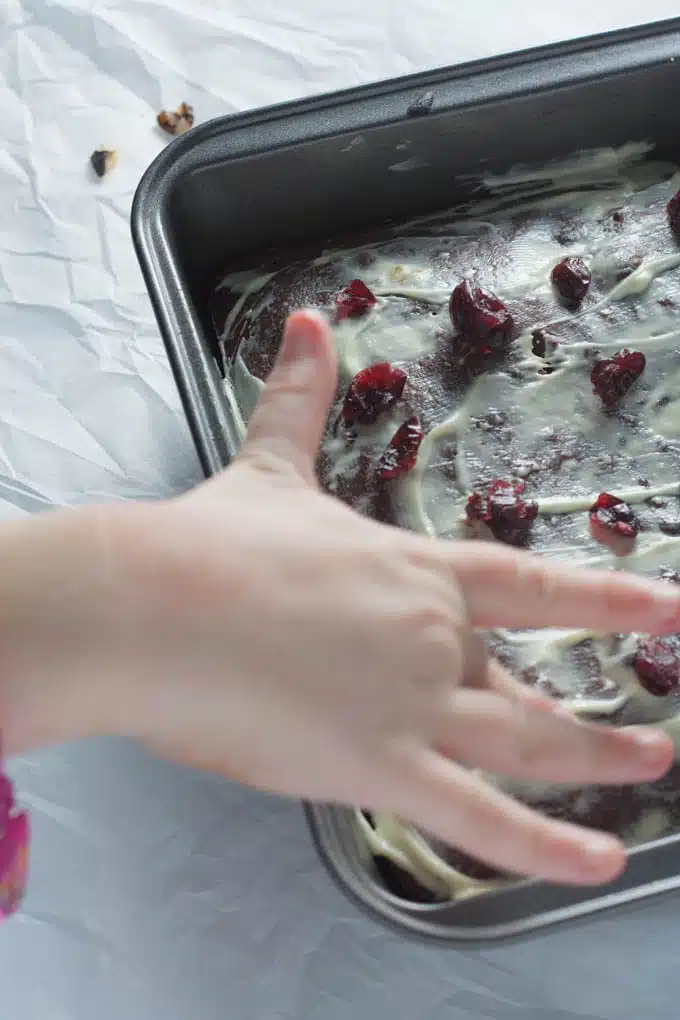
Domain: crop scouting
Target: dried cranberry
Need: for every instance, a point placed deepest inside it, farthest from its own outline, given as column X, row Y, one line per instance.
column 354, row 301
column 615, row 514
column 372, row 391
column 480, row 316
column 673, row 210
column 571, row 278
column 402, row 453
column 613, row 377
column 614, row 523
column 657, row 664
column 502, row 509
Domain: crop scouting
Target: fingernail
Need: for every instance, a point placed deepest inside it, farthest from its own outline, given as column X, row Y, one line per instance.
column 535, row 701
column 667, row 598
column 302, row 337
column 563, row 708
column 601, row 852
column 653, row 744
column 557, row 706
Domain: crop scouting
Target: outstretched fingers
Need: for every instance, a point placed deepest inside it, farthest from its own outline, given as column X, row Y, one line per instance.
column 516, row 738
column 461, row 809
column 507, row 588
column 289, row 419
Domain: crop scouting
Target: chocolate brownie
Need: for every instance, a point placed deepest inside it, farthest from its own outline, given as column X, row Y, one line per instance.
column 510, row 369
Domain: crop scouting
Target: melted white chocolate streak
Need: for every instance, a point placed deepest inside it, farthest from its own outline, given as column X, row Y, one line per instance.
column 385, row 335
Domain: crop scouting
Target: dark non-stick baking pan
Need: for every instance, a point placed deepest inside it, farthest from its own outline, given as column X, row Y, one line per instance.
column 321, row 167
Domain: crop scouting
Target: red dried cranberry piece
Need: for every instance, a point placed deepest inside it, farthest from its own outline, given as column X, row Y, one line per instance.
column 480, row 316
column 354, row 301
column 373, row 390
column 507, row 515
column 402, row 453
column 657, row 664
column 614, row 523
column 673, row 210
column 613, row 377
column 571, row 278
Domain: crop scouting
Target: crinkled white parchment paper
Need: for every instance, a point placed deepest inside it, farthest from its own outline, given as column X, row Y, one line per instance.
column 158, row 894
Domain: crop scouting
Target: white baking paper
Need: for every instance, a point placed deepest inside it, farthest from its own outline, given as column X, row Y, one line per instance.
column 158, row 894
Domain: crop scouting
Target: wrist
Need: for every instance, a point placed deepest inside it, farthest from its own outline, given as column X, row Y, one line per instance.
column 57, row 682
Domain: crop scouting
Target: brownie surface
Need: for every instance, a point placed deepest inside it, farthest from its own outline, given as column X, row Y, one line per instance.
column 522, row 411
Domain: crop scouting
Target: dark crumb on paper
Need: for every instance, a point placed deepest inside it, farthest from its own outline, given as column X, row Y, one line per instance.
column 103, row 161
column 177, row 122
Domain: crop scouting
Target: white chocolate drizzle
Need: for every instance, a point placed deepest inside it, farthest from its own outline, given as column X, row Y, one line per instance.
column 537, row 409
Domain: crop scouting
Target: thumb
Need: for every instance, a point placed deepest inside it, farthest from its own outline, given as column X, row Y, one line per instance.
column 288, row 422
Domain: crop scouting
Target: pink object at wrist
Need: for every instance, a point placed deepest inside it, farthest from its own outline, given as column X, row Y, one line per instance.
column 14, row 843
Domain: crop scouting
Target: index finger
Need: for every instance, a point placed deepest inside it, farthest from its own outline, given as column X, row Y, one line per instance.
column 507, row 588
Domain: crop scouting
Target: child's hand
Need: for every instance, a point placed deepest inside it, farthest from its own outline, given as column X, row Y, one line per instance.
column 300, row 648
column 262, row 629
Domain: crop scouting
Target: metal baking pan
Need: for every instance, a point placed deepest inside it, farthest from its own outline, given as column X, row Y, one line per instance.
column 324, row 166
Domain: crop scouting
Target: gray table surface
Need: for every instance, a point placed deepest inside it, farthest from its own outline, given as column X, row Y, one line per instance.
column 156, row 893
